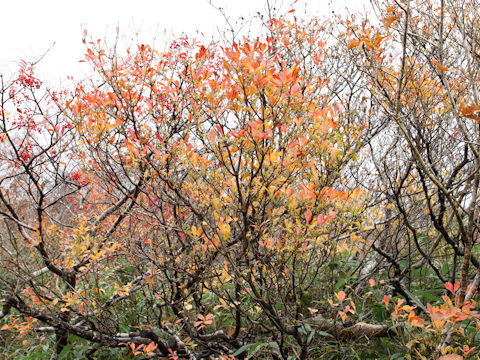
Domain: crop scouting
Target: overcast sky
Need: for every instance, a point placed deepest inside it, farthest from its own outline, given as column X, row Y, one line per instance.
column 30, row 27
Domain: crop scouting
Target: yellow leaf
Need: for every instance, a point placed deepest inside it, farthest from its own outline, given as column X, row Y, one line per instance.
column 275, row 156
column 224, row 229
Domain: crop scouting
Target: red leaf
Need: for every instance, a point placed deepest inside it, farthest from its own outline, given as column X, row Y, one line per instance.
column 449, row 287
column 202, row 51
column 320, row 220
column 331, row 215
column 308, row 216
column 219, row 128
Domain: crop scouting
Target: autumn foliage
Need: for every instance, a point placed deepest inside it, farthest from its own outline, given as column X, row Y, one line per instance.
column 310, row 193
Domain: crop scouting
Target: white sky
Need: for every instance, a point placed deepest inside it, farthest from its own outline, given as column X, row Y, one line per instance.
column 30, row 27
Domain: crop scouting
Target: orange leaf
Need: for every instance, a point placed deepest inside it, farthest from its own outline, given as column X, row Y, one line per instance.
column 439, row 66
column 213, row 136
column 353, row 43
column 378, row 40
column 470, row 111
column 451, row 357
column 341, row 295
column 452, row 288
column 150, row 348
column 388, row 20
column 312, row 310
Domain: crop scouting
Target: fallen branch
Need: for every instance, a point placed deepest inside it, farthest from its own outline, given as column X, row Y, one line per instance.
column 345, row 330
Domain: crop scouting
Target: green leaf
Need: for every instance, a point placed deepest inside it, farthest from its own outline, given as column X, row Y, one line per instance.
column 65, row 351
column 427, row 295
column 323, row 333
column 379, row 312
column 248, row 348
column 254, row 349
column 415, row 300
